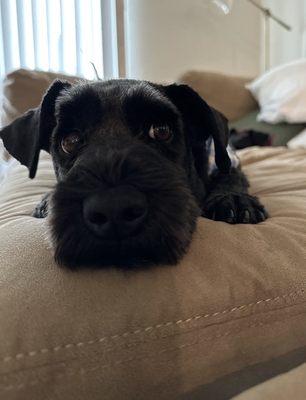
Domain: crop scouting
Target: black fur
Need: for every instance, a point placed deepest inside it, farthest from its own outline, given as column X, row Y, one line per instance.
column 114, row 118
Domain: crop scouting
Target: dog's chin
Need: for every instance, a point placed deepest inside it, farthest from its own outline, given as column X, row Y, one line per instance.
column 149, row 247
column 162, row 242
column 115, row 254
column 99, row 253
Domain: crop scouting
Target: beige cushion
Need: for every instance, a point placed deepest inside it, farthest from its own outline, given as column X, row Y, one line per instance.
column 23, row 89
column 236, row 300
column 225, row 93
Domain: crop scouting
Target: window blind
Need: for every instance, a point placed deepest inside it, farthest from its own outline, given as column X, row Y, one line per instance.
column 59, row 35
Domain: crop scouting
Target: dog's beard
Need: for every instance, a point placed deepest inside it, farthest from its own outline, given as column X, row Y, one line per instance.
column 164, row 237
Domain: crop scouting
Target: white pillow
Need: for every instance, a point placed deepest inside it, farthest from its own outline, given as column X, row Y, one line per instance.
column 281, row 93
column 298, row 141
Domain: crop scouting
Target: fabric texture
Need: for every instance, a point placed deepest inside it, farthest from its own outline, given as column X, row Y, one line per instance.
column 235, row 300
column 281, row 93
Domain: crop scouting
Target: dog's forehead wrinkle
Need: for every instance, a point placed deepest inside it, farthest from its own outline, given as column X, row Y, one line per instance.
column 107, row 98
column 80, row 98
column 148, row 100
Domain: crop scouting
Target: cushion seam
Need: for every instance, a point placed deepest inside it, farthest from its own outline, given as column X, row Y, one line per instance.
column 82, row 371
column 149, row 329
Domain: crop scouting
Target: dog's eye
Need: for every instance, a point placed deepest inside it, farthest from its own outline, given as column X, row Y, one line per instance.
column 162, row 133
column 71, row 142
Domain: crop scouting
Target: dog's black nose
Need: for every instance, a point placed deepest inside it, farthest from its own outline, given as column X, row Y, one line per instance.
column 115, row 213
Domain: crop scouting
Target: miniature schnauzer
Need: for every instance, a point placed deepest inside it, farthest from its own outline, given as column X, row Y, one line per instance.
column 131, row 160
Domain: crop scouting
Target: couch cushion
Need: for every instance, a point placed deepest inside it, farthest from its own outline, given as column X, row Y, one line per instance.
column 223, row 92
column 236, row 300
column 23, row 89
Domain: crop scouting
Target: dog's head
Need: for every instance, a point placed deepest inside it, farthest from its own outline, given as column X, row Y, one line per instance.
column 130, row 161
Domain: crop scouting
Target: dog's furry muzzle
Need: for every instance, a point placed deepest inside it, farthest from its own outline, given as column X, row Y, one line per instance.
column 168, row 225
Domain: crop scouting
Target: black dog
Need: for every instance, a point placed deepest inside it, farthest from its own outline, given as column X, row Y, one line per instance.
column 131, row 161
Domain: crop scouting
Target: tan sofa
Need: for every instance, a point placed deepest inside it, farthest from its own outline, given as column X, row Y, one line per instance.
column 229, row 316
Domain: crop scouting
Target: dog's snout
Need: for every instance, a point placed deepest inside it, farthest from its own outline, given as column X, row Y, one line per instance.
column 116, row 213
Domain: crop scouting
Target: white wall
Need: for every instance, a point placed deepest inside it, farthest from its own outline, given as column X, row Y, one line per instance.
column 165, row 38
column 287, row 46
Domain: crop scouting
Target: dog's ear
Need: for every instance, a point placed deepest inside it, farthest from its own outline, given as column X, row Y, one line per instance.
column 30, row 133
column 201, row 121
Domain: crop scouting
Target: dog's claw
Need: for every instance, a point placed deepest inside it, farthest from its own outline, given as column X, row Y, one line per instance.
column 231, row 218
column 41, row 210
column 236, row 208
column 262, row 215
column 246, row 217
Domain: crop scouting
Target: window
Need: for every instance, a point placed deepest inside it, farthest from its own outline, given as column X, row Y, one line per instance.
column 77, row 37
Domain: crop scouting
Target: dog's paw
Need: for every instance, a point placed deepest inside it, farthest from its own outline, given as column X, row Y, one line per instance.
column 234, row 208
column 41, row 210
